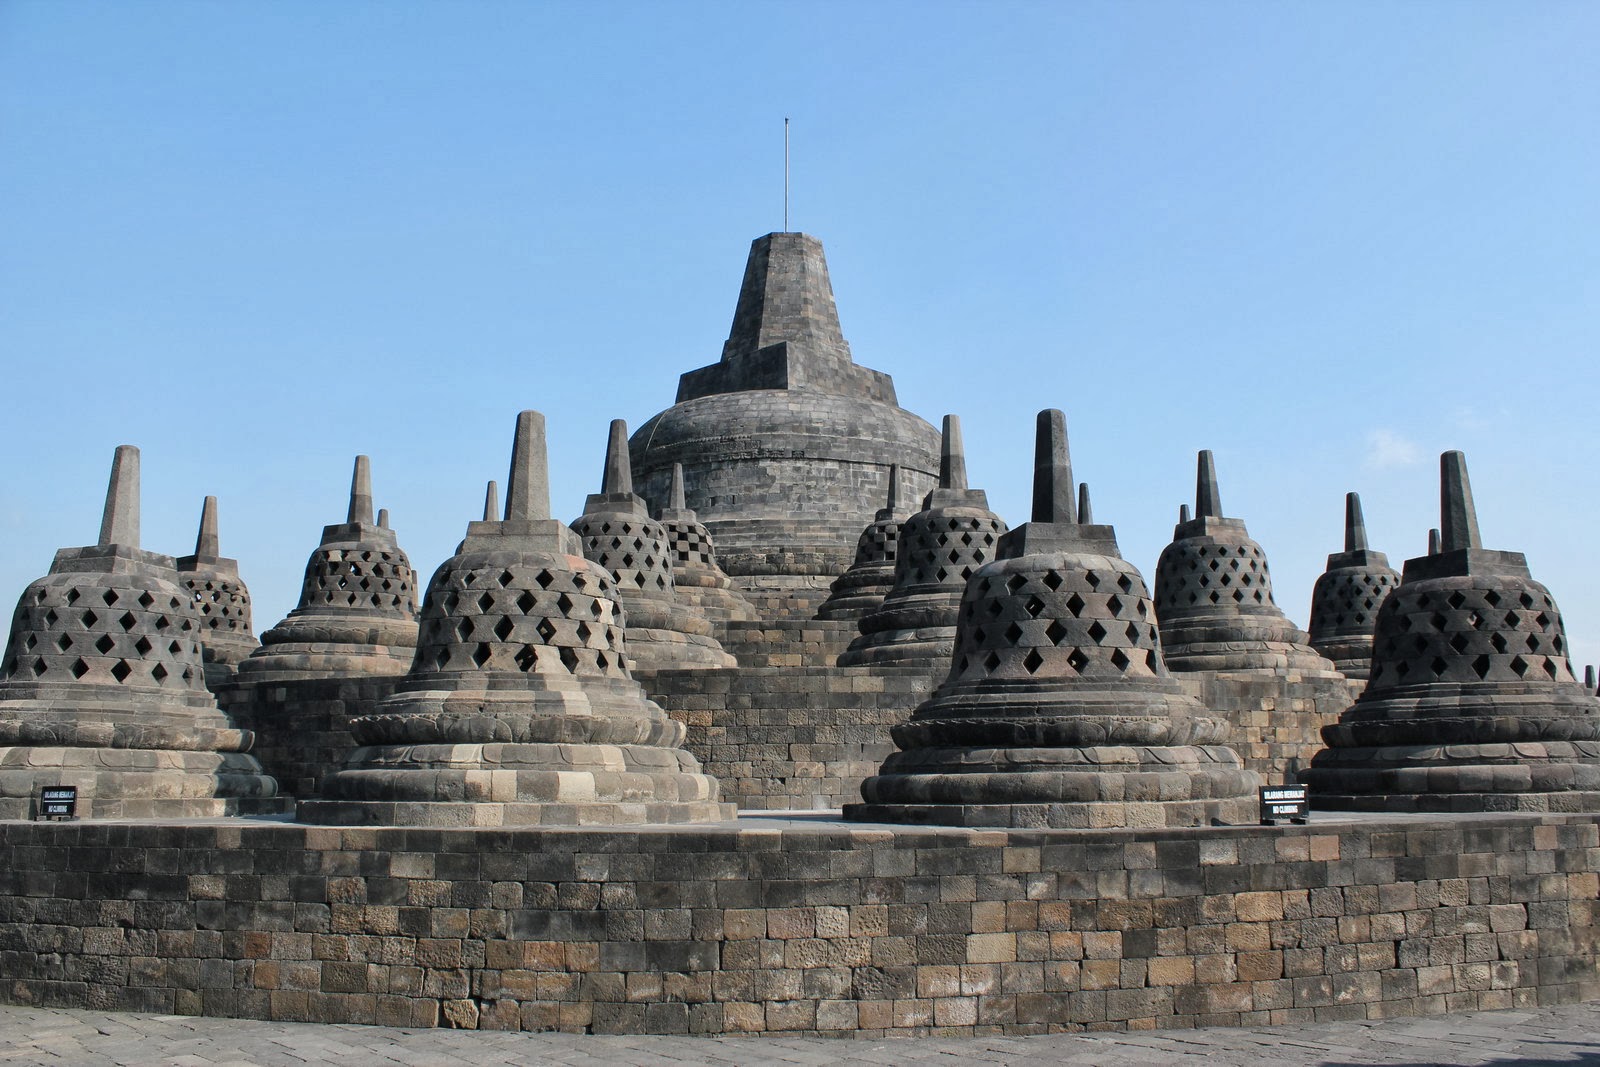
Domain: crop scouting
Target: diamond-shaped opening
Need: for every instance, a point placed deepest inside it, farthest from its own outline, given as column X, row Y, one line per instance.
column 1114, row 604
column 464, row 629
column 143, row 646
column 145, row 599
column 1093, row 579
column 1481, row 666
column 104, row 644
column 1459, row 642
column 1550, row 668
column 1096, row 631
column 526, row 602
column 1456, row 599
column 1075, row 605
column 584, row 633
column 1239, row 596
column 1216, row 597
column 526, row 658
column 569, row 659
column 544, row 578
column 1055, row 632
column 121, row 670
column 110, row 597
column 503, row 628
column 1033, row 606
column 159, row 673
column 1438, row 666
column 469, row 579
column 481, row 654
column 89, row 618
column 1052, row 579
column 991, row 661
column 1519, row 665
column 1124, row 583
column 941, row 574
column 72, row 596
column 1077, row 660
column 1542, row 619
column 1532, row 642
column 546, row 629
column 1512, row 620
column 1475, row 620
column 63, row 642
column 1437, row 621
column 564, row 604
column 995, row 608
column 1032, row 661
column 1402, row 668
column 485, row 602
column 1133, row 633
column 1120, row 660
column 174, row 648
column 1499, row 642
column 1015, row 582
column 1525, row 600
column 1013, row 633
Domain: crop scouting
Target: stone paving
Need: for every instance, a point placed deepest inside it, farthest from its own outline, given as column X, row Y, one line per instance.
column 1564, row 1035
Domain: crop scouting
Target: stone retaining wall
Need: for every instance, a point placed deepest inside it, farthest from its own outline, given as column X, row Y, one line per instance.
column 790, row 926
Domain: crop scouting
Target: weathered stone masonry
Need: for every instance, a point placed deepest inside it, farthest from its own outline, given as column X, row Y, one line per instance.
column 824, row 929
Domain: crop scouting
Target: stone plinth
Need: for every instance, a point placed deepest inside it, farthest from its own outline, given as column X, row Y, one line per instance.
column 104, row 686
column 1471, row 704
column 786, row 442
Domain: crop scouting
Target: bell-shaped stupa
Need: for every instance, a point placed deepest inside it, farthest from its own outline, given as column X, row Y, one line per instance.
column 1346, row 598
column 221, row 600
column 861, row 589
column 1471, row 704
column 519, row 709
column 1058, row 710
column 940, row 546
column 1214, row 596
column 104, row 686
column 357, row 614
column 617, row 532
column 697, row 579
column 786, row 441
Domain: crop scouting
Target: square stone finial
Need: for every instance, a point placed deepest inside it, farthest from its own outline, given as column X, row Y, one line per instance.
column 208, row 545
column 1085, row 509
column 616, row 480
column 528, row 484
column 952, row 455
column 361, row 492
column 1052, row 469
column 1355, row 524
column 1458, row 522
column 119, row 525
column 491, row 501
column 1207, row 495
column 675, row 495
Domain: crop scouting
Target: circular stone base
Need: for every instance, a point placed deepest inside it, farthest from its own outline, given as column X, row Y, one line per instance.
column 467, row 814
column 932, row 646
column 1100, row 815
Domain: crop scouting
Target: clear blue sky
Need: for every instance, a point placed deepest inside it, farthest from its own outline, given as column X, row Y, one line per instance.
column 1327, row 241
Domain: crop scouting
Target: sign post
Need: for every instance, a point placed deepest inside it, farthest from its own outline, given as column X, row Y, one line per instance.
column 1280, row 802
column 58, row 802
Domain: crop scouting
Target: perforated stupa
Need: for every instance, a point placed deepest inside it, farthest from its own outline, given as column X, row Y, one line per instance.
column 1472, row 704
column 221, row 600
column 697, row 579
column 104, row 686
column 939, row 547
column 358, row 603
column 618, row 533
column 1214, row 596
column 861, row 589
column 519, row 709
column 1347, row 596
column 1058, row 709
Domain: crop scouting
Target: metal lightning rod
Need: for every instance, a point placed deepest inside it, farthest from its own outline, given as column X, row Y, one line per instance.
column 786, row 174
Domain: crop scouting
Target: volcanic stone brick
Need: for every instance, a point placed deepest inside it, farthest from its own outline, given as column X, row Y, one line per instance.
column 1214, row 596
column 940, row 547
column 861, row 589
column 519, row 708
column 785, row 443
column 618, row 533
column 1472, row 704
column 104, row 686
column 221, row 600
column 1346, row 598
column 357, row 610
column 1058, row 709
column 697, row 578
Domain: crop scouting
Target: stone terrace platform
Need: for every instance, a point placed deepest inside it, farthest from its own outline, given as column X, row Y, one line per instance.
column 785, row 923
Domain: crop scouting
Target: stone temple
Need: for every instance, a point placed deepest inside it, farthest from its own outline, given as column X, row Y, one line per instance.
column 790, row 732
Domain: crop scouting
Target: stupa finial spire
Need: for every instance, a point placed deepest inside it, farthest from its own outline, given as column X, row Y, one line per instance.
column 207, row 543
column 491, row 501
column 383, row 518
column 1433, row 542
column 1207, row 496
column 618, row 475
column 1458, row 523
column 528, row 484
column 952, row 455
column 1052, row 470
column 119, row 525
column 361, row 492
column 676, row 498
column 894, row 487
column 1355, row 524
column 1085, row 510
column 1183, row 513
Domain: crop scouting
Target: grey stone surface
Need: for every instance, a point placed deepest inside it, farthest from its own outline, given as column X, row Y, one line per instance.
column 697, row 578
column 1347, row 596
column 617, row 532
column 221, row 599
column 938, row 549
column 1471, row 703
column 519, row 708
column 1213, row 596
column 785, row 443
column 861, row 589
column 104, row 685
column 1058, row 709
column 1553, row 1036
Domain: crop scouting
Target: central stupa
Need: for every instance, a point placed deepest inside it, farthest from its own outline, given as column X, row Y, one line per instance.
column 786, row 443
